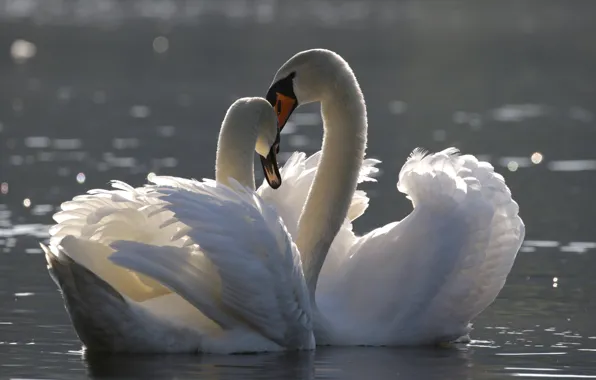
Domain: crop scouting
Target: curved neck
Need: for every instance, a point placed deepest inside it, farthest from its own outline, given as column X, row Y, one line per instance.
column 344, row 143
column 234, row 157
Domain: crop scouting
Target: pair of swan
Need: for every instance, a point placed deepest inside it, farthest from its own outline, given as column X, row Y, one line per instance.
column 215, row 266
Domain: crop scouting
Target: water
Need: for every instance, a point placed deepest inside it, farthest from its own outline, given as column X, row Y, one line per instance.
column 93, row 91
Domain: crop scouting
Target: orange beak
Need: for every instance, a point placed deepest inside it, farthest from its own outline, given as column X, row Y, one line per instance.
column 284, row 106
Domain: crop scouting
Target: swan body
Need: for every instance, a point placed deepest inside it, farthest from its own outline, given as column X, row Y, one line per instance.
column 420, row 280
column 135, row 279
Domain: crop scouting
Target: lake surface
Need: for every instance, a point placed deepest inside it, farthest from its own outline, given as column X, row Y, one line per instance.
column 93, row 91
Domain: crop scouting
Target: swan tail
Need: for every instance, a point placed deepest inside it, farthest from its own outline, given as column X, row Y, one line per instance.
column 506, row 233
column 245, row 244
column 454, row 252
column 99, row 313
column 475, row 200
column 106, row 320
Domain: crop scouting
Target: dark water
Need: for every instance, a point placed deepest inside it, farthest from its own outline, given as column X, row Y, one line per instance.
column 117, row 90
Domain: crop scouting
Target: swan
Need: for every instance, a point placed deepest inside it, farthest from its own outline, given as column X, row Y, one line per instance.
column 202, row 299
column 417, row 281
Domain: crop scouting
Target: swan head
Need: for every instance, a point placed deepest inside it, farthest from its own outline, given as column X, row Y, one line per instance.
column 309, row 76
column 259, row 114
column 266, row 125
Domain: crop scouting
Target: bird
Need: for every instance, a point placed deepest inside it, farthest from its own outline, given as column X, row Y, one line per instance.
column 416, row 281
column 195, row 298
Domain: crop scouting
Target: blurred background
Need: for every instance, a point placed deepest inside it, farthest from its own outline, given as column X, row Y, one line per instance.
column 103, row 89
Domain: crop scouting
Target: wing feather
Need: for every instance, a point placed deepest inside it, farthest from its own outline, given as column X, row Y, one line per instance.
column 424, row 278
column 298, row 174
column 260, row 280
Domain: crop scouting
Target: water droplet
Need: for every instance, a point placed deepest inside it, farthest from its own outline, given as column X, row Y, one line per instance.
column 27, row 202
column 140, row 111
column 38, row 142
column 161, row 44
column 67, row 144
column 64, row 94
column 460, row 117
column 536, row 158
column 397, row 107
column 475, row 122
column 125, row 143
column 166, row 130
column 169, row 162
column 81, row 178
column 4, row 188
column 512, row 166
column 17, row 160
column 518, row 112
column 24, row 294
column 22, row 50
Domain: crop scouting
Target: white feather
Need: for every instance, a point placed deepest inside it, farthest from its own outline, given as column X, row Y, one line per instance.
column 244, row 242
column 211, row 270
column 219, row 298
column 423, row 279
column 298, row 174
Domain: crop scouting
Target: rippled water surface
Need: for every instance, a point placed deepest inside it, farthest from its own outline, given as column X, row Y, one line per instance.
column 93, row 91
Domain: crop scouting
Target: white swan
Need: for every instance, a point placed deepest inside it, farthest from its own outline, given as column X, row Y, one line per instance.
column 214, row 299
column 417, row 281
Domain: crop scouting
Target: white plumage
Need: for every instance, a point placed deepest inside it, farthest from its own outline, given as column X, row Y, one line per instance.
column 191, row 266
column 179, row 296
column 185, row 265
column 420, row 280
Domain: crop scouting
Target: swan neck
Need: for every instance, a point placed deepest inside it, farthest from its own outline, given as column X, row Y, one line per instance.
column 234, row 157
column 344, row 144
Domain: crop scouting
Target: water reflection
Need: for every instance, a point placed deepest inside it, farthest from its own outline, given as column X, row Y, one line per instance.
column 266, row 366
column 330, row 363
